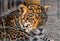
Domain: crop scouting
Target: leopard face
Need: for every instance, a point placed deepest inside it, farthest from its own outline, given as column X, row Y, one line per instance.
column 32, row 18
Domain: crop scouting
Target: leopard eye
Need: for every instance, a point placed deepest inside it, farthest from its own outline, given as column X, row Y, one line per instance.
column 31, row 15
column 39, row 7
column 31, row 20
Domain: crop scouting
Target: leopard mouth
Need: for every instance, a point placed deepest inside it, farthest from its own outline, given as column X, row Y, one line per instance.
column 27, row 26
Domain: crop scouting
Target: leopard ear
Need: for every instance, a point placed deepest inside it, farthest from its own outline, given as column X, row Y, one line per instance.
column 20, row 6
column 46, row 7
